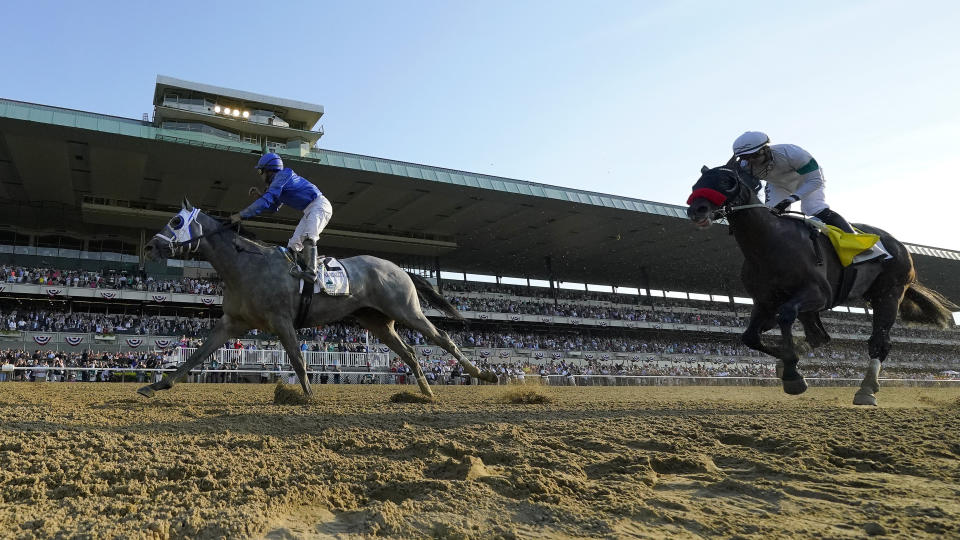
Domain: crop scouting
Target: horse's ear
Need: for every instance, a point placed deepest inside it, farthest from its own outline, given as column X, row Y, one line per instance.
column 186, row 204
column 704, row 169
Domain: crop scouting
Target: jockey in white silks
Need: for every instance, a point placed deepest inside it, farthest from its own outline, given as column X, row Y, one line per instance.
column 791, row 174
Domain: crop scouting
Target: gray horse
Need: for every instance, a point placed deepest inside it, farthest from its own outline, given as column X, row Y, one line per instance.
column 260, row 293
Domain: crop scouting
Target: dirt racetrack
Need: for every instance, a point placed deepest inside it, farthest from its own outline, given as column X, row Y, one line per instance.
column 96, row 460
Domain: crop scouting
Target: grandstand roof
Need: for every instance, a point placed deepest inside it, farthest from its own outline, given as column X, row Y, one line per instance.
column 93, row 174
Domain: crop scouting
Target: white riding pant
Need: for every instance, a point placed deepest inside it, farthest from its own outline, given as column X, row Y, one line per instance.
column 812, row 204
column 315, row 217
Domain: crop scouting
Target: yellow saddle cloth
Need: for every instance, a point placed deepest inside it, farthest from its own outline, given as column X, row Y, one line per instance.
column 848, row 245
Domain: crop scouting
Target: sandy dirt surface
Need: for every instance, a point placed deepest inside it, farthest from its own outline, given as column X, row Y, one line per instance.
column 208, row 461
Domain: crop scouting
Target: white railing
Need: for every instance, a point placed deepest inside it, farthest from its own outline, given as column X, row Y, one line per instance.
column 314, row 359
column 361, row 376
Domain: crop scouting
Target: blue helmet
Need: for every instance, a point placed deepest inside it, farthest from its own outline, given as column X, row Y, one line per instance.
column 270, row 162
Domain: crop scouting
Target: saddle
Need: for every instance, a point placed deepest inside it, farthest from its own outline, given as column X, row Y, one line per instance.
column 852, row 249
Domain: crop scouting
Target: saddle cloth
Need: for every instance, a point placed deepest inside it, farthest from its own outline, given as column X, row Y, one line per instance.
column 331, row 278
column 851, row 248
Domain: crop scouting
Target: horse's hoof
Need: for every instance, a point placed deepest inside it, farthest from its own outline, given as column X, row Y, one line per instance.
column 863, row 398
column 795, row 387
column 146, row 391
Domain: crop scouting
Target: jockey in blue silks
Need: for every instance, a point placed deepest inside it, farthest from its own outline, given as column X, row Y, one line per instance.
column 285, row 187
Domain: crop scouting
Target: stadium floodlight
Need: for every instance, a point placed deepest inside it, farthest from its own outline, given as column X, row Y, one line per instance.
column 236, row 112
column 226, row 110
column 246, row 114
column 216, row 108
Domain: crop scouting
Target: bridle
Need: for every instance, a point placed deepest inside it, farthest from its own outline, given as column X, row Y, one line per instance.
column 722, row 200
column 180, row 238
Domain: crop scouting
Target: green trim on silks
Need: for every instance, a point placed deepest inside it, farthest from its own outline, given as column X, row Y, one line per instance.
column 809, row 167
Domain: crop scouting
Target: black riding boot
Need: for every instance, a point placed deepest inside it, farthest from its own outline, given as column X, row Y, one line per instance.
column 830, row 217
column 309, row 261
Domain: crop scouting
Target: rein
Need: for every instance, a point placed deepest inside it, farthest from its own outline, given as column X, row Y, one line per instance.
column 724, row 211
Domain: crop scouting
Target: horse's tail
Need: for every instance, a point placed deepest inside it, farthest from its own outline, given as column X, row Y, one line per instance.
column 433, row 297
column 923, row 305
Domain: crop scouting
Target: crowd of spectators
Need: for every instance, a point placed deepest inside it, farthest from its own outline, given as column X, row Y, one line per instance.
column 109, row 280
column 513, row 299
column 50, row 320
column 49, row 365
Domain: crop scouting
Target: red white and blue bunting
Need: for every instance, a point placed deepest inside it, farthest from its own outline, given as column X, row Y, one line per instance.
column 108, row 295
column 160, row 298
column 207, row 301
column 54, row 292
column 538, row 355
column 164, row 343
column 546, row 319
column 557, row 356
column 484, row 354
column 503, row 354
column 426, row 352
column 134, row 342
column 74, row 340
column 42, row 340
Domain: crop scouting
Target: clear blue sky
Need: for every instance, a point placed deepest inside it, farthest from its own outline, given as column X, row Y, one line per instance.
column 629, row 98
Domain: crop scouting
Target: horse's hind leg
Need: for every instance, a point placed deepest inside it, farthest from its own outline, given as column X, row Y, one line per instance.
column 884, row 315
column 816, row 334
column 225, row 329
column 760, row 322
column 810, row 298
column 381, row 326
column 429, row 331
column 288, row 338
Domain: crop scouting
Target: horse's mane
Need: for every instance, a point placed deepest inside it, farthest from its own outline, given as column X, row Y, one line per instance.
column 245, row 237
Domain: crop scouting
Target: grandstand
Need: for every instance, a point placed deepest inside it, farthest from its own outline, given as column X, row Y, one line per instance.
column 544, row 275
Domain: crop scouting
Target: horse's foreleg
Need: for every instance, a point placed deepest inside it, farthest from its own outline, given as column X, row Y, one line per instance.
column 288, row 338
column 225, row 329
column 807, row 299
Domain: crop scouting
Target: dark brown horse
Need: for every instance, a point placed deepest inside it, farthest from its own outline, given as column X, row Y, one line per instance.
column 791, row 274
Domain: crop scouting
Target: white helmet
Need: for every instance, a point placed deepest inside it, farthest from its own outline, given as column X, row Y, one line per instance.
column 749, row 143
